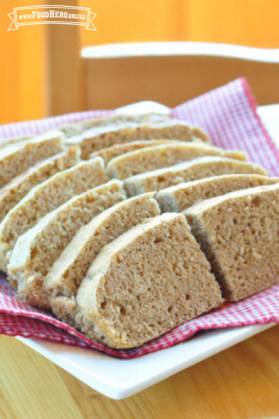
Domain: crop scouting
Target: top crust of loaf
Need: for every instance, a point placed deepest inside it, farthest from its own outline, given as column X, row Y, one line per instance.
column 19, row 186
column 122, row 126
column 156, row 289
column 239, row 234
column 17, row 158
column 109, row 224
column 37, row 249
column 14, row 140
column 116, row 150
column 200, row 207
column 103, row 137
column 188, row 171
column 69, row 270
column 12, row 148
column 180, row 197
column 112, row 120
column 160, row 156
column 46, row 197
column 23, row 252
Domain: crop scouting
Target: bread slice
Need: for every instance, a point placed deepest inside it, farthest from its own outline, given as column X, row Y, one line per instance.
column 166, row 155
column 96, row 139
column 68, row 271
column 14, row 140
column 17, row 158
column 180, row 197
column 119, row 149
column 45, row 198
column 19, row 186
column 146, row 282
column 187, row 172
column 37, row 249
column 238, row 233
column 113, row 120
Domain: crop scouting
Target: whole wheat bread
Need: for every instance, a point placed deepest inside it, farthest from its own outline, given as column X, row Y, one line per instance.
column 37, row 249
column 112, row 121
column 238, row 233
column 16, row 158
column 117, row 150
column 19, row 186
column 14, row 140
column 103, row 137
column 68, row 271
column 146, row 282
column 165, row 155
column 45, row 198
column 180, row 197
column 187, row 172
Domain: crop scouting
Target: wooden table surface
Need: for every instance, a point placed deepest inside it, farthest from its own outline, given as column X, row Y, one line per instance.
column 241, row 382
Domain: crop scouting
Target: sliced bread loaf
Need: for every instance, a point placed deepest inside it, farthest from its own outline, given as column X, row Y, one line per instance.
column 37, row 249
column 14, row 140
column 113, row 120
column 96, row 139
column 45, row 198
column 119, row 149
column 16, row 158
column 19, row 186
column 68, row 271
column 188, row 171
column 180, row 197
column 238, row 233
column 146, row 282
column 166, row 155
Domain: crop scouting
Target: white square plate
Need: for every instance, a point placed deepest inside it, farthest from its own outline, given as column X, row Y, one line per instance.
column 118, row 378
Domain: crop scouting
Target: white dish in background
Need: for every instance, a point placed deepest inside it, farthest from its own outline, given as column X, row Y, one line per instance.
column 117, row 378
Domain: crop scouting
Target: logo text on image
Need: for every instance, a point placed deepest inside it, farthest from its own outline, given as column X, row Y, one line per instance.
column 63, row 15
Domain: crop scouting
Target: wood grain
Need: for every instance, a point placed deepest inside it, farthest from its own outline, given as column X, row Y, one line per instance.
column 115, row 82
column 241, row 382
column 64, row 80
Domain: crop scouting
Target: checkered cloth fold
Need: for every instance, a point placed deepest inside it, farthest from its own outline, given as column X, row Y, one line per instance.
column 229, row 115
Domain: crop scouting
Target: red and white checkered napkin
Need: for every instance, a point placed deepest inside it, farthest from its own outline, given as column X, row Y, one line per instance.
column 229, row 115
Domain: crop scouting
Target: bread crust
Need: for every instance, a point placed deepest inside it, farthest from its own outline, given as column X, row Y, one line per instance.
column 65, row 276
column 45, row 198
column 37, row 249
column 113, row 120
column 187, row 172
column 165, row 155
column 18, row 157
column 180, row 197
column 165, row 280
column 238, row 233
column 19, row 186
column 103, row 137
